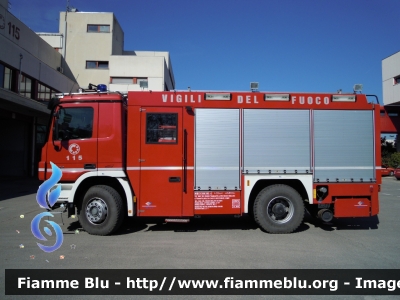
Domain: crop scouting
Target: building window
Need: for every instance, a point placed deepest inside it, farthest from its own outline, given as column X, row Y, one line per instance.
column 92, row 64
column 397, row 80
column 2, row 67
column 5, row 77
column 41, row 131
column 98, row 28
column 44, row 93
column 138, row 80
column 122, row 80
column 25, row 86
column 143, row 82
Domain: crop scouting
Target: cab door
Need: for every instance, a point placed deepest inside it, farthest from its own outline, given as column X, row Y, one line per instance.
column 72, row 143
column 161, row 162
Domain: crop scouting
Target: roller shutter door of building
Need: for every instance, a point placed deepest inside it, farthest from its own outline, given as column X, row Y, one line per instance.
column 14, row 148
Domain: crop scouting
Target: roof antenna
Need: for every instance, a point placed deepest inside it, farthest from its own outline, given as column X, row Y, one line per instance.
column 74, row 84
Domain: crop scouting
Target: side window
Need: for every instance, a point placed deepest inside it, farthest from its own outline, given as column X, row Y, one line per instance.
column 161, row 128
column 75, row 123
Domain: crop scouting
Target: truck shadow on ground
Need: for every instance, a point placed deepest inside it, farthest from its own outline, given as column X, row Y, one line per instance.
column 11, row 187
column 210, row 223
column 145, row 224
column 347, row 224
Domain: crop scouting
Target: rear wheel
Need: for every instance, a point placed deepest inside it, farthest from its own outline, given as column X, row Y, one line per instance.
column 279, row 209
column 101, row 212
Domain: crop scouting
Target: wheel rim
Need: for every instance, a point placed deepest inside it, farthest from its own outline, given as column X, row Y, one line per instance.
column 96, row 211
column 280, row 210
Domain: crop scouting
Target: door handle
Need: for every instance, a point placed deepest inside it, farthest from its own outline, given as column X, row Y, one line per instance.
column 174, row 179
column 184, row 160
column 89, row 166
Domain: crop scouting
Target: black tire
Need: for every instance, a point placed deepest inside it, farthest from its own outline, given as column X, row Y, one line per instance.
column 101, row 212
column 279, row 209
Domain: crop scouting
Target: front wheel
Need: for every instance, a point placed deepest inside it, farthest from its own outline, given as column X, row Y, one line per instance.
column 279, row 209
column 101, row 212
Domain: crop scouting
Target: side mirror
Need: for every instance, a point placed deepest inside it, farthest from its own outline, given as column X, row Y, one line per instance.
column 55, row 137
column 56, row 116
column 53, row 103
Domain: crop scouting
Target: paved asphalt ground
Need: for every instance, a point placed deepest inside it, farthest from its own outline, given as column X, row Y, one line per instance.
column 207, row 243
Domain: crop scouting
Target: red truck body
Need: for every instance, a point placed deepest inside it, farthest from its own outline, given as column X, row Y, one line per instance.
column 183, row 154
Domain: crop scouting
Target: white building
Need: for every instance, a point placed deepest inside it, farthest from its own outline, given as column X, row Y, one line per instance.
column 391, row 79
column 390, row 118
column 29, row 76
column 93, row 47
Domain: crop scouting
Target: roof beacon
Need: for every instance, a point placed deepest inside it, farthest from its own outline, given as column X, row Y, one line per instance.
column 99, row 87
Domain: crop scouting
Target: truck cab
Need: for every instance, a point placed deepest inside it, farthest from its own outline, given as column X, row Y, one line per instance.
column 86, row 141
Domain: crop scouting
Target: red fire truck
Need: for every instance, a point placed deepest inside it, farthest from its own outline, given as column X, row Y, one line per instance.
column 180, row 155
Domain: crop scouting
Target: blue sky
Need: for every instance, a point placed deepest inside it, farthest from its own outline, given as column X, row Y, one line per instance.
column 285, row 45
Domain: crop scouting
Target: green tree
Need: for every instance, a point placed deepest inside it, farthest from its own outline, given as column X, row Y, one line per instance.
column 395, row 160
column 387, row 149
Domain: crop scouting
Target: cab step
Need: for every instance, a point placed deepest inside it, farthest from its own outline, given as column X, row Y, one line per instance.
column 177, row 220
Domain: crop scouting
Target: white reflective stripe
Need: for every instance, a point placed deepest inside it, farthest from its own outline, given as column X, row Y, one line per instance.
column 74, row 186
column 251, row 180
column 157, row 168
column 109, row 169
column 207, row 168
column 345, row 168
column 129, row 196
column 73, row 170
column 161, row 168
column 218, row 168
column 316, row 168
column 277, row 168
column 83, row 170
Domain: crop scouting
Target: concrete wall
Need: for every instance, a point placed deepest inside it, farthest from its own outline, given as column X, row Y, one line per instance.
column 55, row 40
column 85, row 46
column 117, row 39
column 39, row 59
column 4, row 3
column 20, row 116
column 131, row 66
column 154, row 84
column 390, row 70
column 134, row 66
column 169, row 77
column 144, row 56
